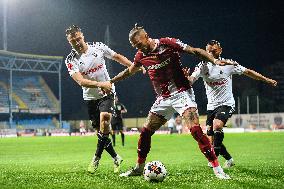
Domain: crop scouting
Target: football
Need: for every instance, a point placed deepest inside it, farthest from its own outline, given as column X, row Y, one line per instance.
column 155, row 171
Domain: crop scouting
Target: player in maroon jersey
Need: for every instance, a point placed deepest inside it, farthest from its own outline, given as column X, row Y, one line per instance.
column 161, row 57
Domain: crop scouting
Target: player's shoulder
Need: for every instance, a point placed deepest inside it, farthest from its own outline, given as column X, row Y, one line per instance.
column 96, row 45
column 202, row 64
column 231, row 61
column 166, row 40
column 139, row 55
column 71, row 56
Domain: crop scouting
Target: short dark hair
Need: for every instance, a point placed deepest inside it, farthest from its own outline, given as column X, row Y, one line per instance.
column 134, row 31
column 214, row 42
column 72, row 29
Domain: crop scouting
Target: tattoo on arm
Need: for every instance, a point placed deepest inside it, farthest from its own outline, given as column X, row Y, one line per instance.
column 203, row 55
column 122, row 75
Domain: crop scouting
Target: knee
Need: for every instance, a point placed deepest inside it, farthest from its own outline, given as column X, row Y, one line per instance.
column 217, row 125
column 146, row 131
column 105, row 116
column 191, row 116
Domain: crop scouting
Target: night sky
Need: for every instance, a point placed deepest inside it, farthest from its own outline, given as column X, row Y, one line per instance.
column 250, row 32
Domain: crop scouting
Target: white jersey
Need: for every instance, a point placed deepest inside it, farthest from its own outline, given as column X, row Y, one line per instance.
column 218, row 82
column 91, row 65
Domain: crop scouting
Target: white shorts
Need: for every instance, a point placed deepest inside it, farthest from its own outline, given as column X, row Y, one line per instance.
column 179, row 102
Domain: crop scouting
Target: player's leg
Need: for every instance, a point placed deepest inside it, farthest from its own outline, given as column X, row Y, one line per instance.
column 113, row 132
column 94, row 116
column 223, row 113
column 105, row 107
column 120, row 130
column 122, row 137
column 192, row 123
column 209, row 128
column 158, row 115
column 185, row 105
column 153, row 123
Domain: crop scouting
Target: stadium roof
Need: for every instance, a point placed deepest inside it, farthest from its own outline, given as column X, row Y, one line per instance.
column 31, row 56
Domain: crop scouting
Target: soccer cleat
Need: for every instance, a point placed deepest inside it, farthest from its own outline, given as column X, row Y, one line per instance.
column 93, row 166
column 210, row 165
column 136, row 171
column 218, row 171
column 116, row 163
column 229, row 163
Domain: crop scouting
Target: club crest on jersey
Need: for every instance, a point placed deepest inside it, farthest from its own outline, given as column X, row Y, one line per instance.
column 158, row 66
column 161, row 49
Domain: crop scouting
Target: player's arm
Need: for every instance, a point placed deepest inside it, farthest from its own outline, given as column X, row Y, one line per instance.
column 124, row 61
column 124, row 110
column 121, row 59
column 78, row 77
column 203, row 55
column 131, row 70
column 186, row 72
column 257, row 76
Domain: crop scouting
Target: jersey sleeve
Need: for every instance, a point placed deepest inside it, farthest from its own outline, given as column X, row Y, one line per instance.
column 122, row 107
column 197, row 73
column 238, row 69
column 71, row 65
column 174, row 43
column 108, row 52
column 137, row 59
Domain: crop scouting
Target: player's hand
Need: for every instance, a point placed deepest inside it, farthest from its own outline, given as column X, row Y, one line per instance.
column 143, row 70
column 186, row 71
column 272, row 82
column 224, row 63
column 106, row 86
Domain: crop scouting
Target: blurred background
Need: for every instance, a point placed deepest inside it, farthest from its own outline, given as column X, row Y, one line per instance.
column 250, row 32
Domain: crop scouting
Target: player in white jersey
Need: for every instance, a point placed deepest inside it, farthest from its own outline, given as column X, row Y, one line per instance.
column 218, row 84
column 86, row 65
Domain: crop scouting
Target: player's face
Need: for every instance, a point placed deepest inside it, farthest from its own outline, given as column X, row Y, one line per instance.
column 215, row 50
column 141, row 42
column 76, row 40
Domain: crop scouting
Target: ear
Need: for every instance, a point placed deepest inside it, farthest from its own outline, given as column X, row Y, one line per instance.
column 207, row 48
column 146, row 36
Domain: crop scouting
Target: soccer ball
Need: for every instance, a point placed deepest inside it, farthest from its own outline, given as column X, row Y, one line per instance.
column 155, row 171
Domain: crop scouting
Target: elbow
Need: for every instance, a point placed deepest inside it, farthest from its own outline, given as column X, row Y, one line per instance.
column 81, row 83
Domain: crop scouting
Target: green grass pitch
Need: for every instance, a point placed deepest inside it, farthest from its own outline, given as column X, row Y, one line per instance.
column 61, row 162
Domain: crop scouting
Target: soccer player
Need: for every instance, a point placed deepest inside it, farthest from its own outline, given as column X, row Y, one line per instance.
column 221, row 104
column 86, row 65
column 174, row 93
column 116, row 120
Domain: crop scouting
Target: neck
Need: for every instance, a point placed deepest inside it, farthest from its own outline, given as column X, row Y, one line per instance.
column 152, row 44
column 216, row 56
column 85, row 48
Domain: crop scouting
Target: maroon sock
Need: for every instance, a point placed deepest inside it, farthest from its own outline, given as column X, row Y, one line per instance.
column 204, row 144
column 144, row 144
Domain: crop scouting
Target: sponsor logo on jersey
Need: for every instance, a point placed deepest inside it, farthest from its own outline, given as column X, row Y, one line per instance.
column 92, row 70
column 162, row 64
column 216, row 83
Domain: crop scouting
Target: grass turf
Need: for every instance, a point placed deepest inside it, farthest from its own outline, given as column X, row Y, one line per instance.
column 61, row 162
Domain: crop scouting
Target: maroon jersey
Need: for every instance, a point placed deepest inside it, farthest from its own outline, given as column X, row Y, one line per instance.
column 164, row 66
